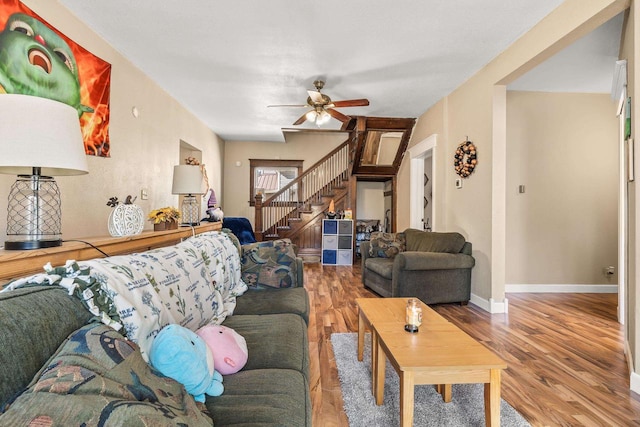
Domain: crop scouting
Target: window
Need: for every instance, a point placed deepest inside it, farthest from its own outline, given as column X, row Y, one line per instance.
column 270, row 176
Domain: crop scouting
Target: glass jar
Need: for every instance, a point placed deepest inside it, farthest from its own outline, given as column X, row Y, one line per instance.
column 413, row 315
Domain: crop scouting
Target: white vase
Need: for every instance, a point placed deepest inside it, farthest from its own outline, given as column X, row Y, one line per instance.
column 126, row 220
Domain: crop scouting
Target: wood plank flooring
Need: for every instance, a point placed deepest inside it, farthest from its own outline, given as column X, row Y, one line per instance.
column 565, row 351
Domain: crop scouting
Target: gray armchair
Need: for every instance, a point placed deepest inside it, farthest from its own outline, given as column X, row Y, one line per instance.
column 434, row 267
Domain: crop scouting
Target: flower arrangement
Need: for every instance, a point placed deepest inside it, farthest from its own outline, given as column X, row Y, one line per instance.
column 166, row 214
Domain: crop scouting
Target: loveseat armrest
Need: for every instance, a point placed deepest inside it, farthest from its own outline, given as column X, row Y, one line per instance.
column 299, row 273
column 431, row 261
column 364, row 250
column 364, row 254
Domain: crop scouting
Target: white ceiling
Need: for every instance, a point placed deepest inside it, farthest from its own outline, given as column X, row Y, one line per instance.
column 227, row 60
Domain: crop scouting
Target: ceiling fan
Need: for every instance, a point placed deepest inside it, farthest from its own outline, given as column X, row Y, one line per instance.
column 322, row 107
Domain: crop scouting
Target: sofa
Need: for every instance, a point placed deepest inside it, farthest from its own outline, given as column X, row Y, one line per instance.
column 434, row 267
column 68, row 357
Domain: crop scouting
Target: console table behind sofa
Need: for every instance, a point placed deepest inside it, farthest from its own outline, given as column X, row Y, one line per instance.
column 15, row 264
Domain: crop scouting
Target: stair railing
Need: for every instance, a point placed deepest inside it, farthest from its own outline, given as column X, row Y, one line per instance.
column 303, row 192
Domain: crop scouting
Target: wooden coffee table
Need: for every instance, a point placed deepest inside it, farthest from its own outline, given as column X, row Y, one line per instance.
column 440, row 354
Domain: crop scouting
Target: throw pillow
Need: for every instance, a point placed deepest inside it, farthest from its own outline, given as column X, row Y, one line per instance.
column 269, row 264
column 386, row 245
column 98, row 377
column 427, row 241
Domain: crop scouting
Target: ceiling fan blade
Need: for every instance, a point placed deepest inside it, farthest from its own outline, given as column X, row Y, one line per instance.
column 288, row 105
column 315, row 96
column 351, row 103
column 301, row 120
column 338, row 115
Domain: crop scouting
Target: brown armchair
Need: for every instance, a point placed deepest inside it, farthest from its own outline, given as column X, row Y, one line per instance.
column 434, row 267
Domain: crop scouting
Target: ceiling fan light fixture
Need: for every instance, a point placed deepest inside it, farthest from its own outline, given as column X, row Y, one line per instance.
column 311, row 116
column 322, row 118
column 322, row 107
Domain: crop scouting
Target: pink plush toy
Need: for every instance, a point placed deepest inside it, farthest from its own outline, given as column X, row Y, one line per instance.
column 229, row 348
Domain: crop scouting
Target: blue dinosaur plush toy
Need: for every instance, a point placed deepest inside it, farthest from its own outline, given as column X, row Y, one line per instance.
column 180, row 354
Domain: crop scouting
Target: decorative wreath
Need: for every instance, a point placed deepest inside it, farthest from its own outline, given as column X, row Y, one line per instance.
column 465, row 159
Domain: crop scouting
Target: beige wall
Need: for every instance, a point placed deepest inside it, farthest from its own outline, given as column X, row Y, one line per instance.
column 370, row 200
column 431, row 122
column 477, row 109
column 143, row 150
column 309, row 147
column 564, row 149
column 630, row 39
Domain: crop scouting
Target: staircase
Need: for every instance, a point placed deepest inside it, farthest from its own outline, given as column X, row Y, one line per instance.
column 297, row 210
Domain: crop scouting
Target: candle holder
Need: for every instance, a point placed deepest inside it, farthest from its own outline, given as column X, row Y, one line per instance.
column 413, row 315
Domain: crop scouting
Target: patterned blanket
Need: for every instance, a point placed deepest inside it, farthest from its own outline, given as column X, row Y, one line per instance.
column 191, row 284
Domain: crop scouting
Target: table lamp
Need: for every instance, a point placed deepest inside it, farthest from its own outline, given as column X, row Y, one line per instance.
column 188, row 181
column 39, row 138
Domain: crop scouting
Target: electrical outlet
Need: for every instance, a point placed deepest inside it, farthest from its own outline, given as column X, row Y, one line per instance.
column 609, row 271
column 144, row 194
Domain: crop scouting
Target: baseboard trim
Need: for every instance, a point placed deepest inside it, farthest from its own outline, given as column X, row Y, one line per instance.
column 566, row 288
column 634, row 379
column 634, row 382
column 490, row 305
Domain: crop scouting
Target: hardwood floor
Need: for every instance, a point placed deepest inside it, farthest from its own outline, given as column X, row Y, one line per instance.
column 565, row 352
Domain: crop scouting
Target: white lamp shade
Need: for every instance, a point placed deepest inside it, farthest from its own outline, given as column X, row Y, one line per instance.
column 187, row 179
column 40, row 132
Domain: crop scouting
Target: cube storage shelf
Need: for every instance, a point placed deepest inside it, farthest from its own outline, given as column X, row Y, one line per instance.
column 337, row 241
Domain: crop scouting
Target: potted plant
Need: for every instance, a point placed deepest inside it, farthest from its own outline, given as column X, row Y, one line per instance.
column 164, row 218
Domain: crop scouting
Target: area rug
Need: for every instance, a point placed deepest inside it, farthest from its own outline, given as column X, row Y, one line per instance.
column 465, row 409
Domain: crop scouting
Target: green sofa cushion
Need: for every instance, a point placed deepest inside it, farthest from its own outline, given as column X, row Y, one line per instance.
column 263, row 397
column 98, row 377
column 426, row 241
column 274, row 301
column 277, row 341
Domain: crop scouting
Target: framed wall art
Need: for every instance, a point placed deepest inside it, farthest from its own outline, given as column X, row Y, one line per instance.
column 38, row 60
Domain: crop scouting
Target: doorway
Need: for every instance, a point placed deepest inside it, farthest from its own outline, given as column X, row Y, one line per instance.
column 553, row 112
column 423, row 184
